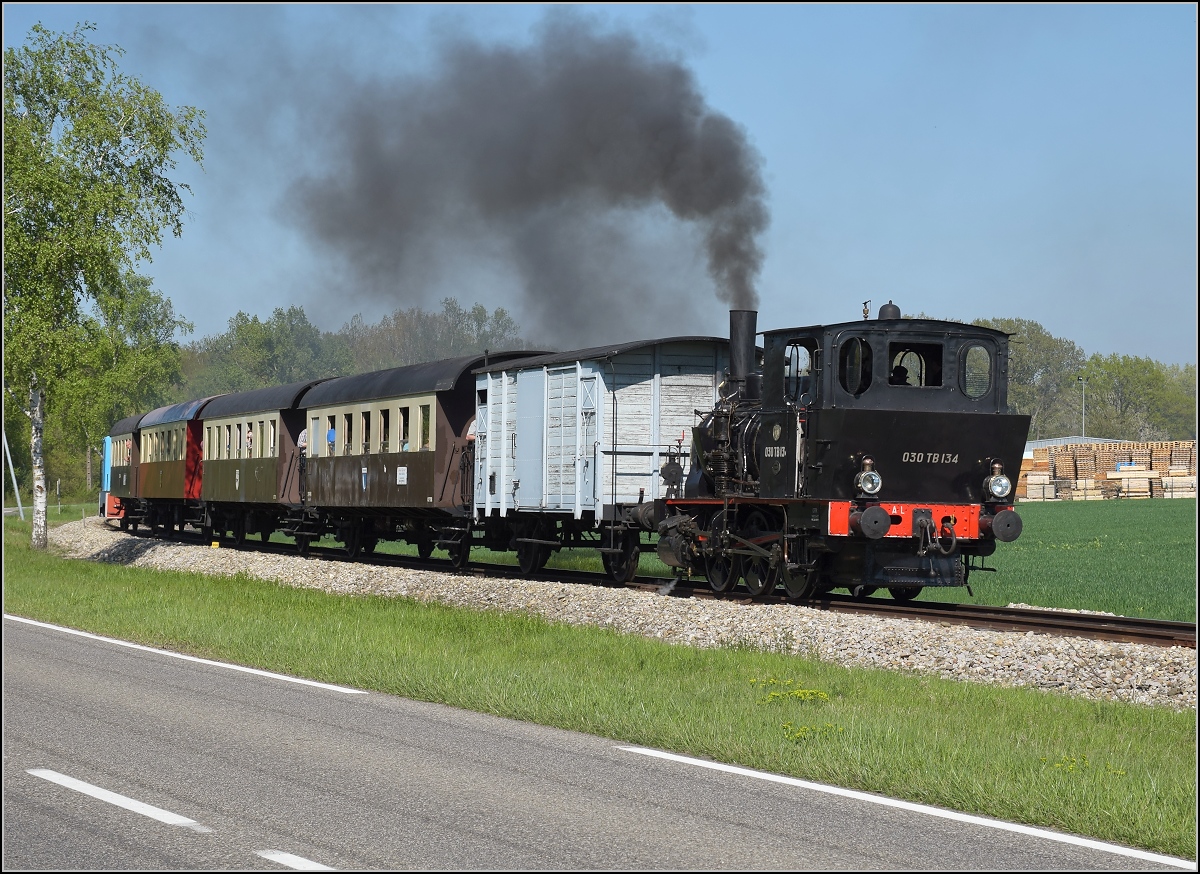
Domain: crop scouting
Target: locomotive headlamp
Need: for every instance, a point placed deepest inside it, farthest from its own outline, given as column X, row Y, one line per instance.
column 997, row 486
column 867, row 480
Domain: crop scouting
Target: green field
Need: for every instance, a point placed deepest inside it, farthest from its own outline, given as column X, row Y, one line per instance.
column 1131, row 557
column 1110, row 771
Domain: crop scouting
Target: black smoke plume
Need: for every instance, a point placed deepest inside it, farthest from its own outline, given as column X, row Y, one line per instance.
column 552, row 166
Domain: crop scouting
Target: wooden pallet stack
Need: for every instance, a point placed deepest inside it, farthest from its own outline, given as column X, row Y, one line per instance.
column 1036, row 481
column 1180, row 479
column 1097, row 471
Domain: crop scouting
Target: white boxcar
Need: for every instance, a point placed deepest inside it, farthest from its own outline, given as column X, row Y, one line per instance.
column 584, row 433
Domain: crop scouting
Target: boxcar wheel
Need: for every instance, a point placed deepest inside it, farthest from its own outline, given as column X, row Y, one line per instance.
column 622, row 566
column 905, row 593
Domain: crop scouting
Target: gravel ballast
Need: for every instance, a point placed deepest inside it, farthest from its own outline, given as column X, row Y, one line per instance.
column 1136, row 673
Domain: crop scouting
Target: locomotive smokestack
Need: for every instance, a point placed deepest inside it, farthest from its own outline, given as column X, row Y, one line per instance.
column 743, row 327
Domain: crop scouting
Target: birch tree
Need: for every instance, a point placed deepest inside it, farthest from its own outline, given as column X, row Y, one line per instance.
column 87, row 150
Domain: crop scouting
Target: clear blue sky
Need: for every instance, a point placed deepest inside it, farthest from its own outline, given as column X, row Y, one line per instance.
column 1024, row 161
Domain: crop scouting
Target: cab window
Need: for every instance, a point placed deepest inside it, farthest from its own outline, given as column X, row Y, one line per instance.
column 976, row 371
column 854, row 365
column 915, row 364
column 797, row 372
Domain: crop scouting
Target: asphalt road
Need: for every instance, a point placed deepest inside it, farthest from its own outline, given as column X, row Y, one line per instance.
column 213, row 768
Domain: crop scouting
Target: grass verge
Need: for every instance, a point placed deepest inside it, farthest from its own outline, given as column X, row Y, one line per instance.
column 1111, row 771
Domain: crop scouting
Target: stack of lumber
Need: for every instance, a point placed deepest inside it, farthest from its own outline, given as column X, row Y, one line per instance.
column 1037, row 468
column 1133, row 479
column 1095, row 471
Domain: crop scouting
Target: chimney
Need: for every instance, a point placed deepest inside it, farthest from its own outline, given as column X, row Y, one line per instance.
column 743, row 328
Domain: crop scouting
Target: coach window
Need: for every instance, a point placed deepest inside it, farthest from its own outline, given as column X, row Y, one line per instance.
column 854, row 365
column 366, row 432
column 271, row 436
column 976, row 371
column 425, row 426
column 922, row 363
column 404, row 447
column 385, row 429
column 348, row 436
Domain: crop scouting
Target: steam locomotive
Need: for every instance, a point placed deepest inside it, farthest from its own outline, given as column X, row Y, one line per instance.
column 863, row 455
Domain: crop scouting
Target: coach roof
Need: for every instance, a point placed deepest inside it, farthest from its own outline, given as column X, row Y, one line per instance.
column 175, row 413
column 276, row 397
column 432, row 376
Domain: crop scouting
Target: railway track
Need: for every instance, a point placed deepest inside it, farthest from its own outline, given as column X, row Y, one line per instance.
column 1095, row 626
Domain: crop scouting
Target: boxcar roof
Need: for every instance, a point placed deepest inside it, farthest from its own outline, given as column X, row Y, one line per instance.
column 596, row 352
column 432, row 376
column 276, row 397
column 126, row 426
column 175, row 413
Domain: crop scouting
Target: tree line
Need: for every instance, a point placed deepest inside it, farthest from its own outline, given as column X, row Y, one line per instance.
column 1066, row 392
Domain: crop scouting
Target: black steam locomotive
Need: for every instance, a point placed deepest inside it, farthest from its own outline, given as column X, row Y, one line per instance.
column 862, row 455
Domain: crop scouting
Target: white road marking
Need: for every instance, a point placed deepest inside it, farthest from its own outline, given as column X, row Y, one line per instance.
column 189, row 658
column 297, row 862
column 921, row 808
column 119, row 800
